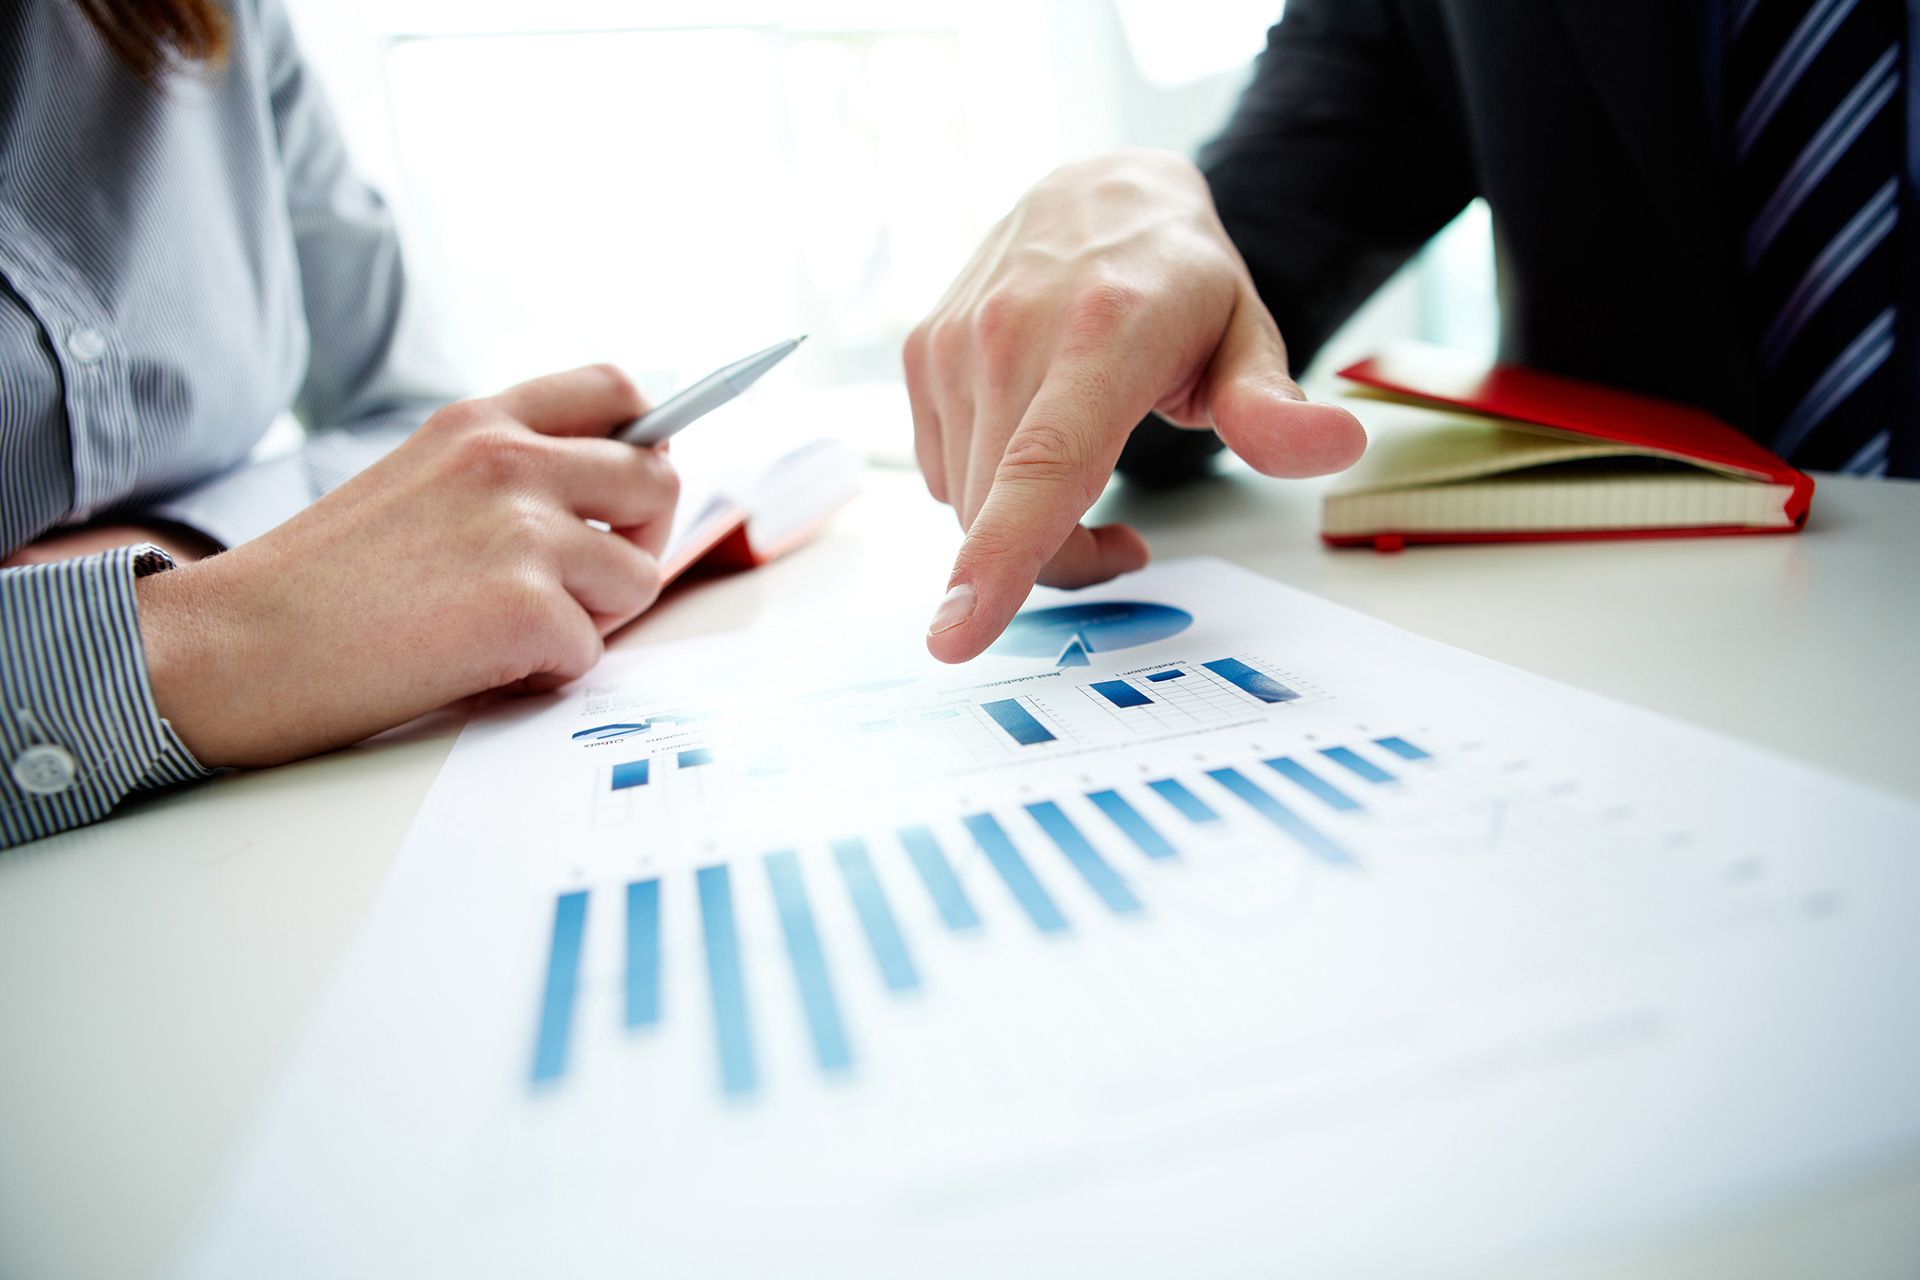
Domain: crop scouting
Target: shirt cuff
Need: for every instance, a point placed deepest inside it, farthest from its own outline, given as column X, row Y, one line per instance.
column 78, row 724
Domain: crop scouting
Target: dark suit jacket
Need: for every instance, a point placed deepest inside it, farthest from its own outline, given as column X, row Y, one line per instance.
column 1589, row 128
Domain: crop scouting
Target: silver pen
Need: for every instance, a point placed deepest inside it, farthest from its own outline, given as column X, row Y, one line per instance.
column 704, row 396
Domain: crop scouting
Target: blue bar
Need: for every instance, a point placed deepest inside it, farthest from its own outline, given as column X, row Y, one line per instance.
column 1014, row 870
column 876, row 917
column 1017, row 721
column 1288, row 767
column 1191, row 806
column 693, row 756
column 631, row 774
column 948, row 896
column 1131, row 824
column 563, row 978
column 1085, row 858
column 1402, row 748
column 643, row 953
column 1120, row 693
column 1158, row 676
column 1282, row 817
column 1365, row 768
column 809, row 962
column 732, row 1033
column 1244, row 677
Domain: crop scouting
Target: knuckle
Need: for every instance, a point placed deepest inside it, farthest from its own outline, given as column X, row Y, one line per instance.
column 998, row 545
column 618, row 384
column 525, row 532
column 1042, row 445
column 936, row 481
column 1000, row 321
column 580, row 649
column 913, row 352
column 1001, row 335
column 666, row 481
column 1101, row 306
column 458, row 415
column 648, row 580
column 499, row 456
column 949, row 344
column 1048, row 453
column 525, row 623
column 525, row 609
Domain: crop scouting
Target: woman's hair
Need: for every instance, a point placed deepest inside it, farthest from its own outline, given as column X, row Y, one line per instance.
column 152, row 36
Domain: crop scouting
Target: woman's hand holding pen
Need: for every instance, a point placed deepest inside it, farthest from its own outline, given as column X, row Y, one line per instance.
column 461, row 562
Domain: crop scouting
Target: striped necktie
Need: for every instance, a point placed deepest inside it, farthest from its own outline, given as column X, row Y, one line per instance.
column 1814, row 121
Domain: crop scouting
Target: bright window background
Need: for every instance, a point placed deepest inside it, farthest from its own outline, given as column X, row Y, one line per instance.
column 670, row 184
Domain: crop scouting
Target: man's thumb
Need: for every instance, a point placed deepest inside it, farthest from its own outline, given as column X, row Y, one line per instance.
column 1259, row 409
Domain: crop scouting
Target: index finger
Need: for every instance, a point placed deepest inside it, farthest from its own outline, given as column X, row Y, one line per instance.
column 589, row 401
column 1055, row 465
column 633, row 488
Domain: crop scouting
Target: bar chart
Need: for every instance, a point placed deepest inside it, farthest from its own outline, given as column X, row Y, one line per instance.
column 1053, row 865
column 886, row 726
column 687, row 760
column 1191, row 695
column 626, row 775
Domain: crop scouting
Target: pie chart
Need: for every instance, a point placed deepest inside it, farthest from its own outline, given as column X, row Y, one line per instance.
column 627, row 728
column 602, row 732
column 1069, row 633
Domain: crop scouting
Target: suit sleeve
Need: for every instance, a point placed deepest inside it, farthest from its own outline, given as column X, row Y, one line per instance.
column 1342, row 158
column 373, row 374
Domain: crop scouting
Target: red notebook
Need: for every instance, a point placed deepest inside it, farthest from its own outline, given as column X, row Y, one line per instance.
column 1466, row 451
column 747, row 516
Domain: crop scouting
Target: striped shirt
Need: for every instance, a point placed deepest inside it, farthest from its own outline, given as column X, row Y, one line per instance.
column 178, row 267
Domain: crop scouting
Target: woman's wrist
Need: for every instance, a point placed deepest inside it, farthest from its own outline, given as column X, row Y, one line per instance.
column 194, row 658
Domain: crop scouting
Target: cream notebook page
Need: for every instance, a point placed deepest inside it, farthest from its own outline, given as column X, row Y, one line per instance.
column 1429, row 468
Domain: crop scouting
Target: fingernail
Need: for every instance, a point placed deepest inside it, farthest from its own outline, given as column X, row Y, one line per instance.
column 955, row 608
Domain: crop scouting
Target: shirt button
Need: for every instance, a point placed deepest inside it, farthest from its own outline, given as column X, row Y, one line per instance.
column 43, row 770
column 86, row 345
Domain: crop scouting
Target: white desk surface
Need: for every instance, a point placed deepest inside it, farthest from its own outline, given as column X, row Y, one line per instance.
column 154, row 969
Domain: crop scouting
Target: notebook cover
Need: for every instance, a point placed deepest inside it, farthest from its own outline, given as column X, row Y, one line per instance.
column 1451, row 378
column 713, row 543
column 727, row 544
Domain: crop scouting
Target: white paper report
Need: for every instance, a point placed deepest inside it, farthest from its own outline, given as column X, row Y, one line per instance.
column 1203, row 928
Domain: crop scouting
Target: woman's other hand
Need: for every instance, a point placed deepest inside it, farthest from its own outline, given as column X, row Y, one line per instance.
column 461, row 562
